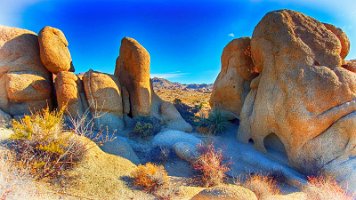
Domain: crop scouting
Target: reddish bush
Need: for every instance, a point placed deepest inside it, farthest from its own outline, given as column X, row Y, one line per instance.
column 210, row 165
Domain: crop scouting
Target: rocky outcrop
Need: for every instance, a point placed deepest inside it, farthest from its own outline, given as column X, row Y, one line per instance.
column 233, row 82
column 54, row 50
column 103, row 93
column 133, row 71
column 26, row 84
column 303, row 95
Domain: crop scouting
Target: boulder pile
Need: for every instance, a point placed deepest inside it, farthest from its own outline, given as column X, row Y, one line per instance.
column 37, row 72
column 290, row 83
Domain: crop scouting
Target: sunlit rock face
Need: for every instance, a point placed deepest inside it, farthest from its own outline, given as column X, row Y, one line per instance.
column 303, row 94
column 54, row 51
column 133, row 71
column 25, row 83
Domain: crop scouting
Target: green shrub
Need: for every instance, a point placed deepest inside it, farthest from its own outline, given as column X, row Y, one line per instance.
column 216, row 123
column 146, row 127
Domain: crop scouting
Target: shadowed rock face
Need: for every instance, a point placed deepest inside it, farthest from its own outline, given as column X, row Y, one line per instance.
column 25, row 83
column 233, row 83
column 133, row 71
column 302, row 93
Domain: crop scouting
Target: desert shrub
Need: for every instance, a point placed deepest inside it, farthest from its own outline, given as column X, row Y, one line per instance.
column 146, row 127
column 214, row 124
column 262, row 186
column 84, row 125
column 150, row 177
column 41, row 146
column 321, row 188
column 210, row 165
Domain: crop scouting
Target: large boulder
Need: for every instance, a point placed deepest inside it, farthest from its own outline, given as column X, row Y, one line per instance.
column 133, row 71
column 54, row 50
column 68, row 87
column 302, row 94
column 103, row 93
column 233, row 82
column 26, row 84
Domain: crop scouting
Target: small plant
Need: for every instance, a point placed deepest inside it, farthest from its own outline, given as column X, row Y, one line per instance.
column 146, row 127
column 41, row 146
column 320, row 188
column 262, row 185
column 210, row 165
column 215, row 124
column 150, row 177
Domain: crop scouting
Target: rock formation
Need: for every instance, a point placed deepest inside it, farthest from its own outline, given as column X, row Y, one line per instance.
column 233, row 83
column 139, row 99
column 133, row 71
column 26, row 64
column 54, row 50
column 25, row 83
column 304, row 94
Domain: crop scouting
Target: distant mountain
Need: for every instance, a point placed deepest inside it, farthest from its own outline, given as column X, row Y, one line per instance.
column 161, row 83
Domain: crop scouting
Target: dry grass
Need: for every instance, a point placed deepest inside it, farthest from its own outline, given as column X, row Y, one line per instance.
column 150, row 177
column 210, row 165
column 41, row 147
column 44, row 149
column 262, row 186
column 325, row 188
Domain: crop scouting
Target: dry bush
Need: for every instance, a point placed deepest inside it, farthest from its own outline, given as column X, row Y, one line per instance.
column 325, row 188
column 210, row 165
column 150, row 177
column 262, row 186
column 41, row 147
column 84, row 125
column 44, row 148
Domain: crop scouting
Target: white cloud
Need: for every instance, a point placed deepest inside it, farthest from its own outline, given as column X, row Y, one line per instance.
column 169, row 75
column 10, row 11
column 231, row 35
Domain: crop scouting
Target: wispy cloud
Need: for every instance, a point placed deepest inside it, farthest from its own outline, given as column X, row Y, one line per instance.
column 231, row 35
column 169, row 75
column 10, row 11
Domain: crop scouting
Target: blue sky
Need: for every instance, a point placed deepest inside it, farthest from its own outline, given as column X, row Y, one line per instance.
column 184, row 38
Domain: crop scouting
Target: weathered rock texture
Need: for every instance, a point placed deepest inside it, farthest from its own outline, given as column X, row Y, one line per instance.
column 25, row 83
column 68, row 87
column 54, row 50
column 103, row 93
column 133, row 71
column 303, row 95
column 233, row 83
